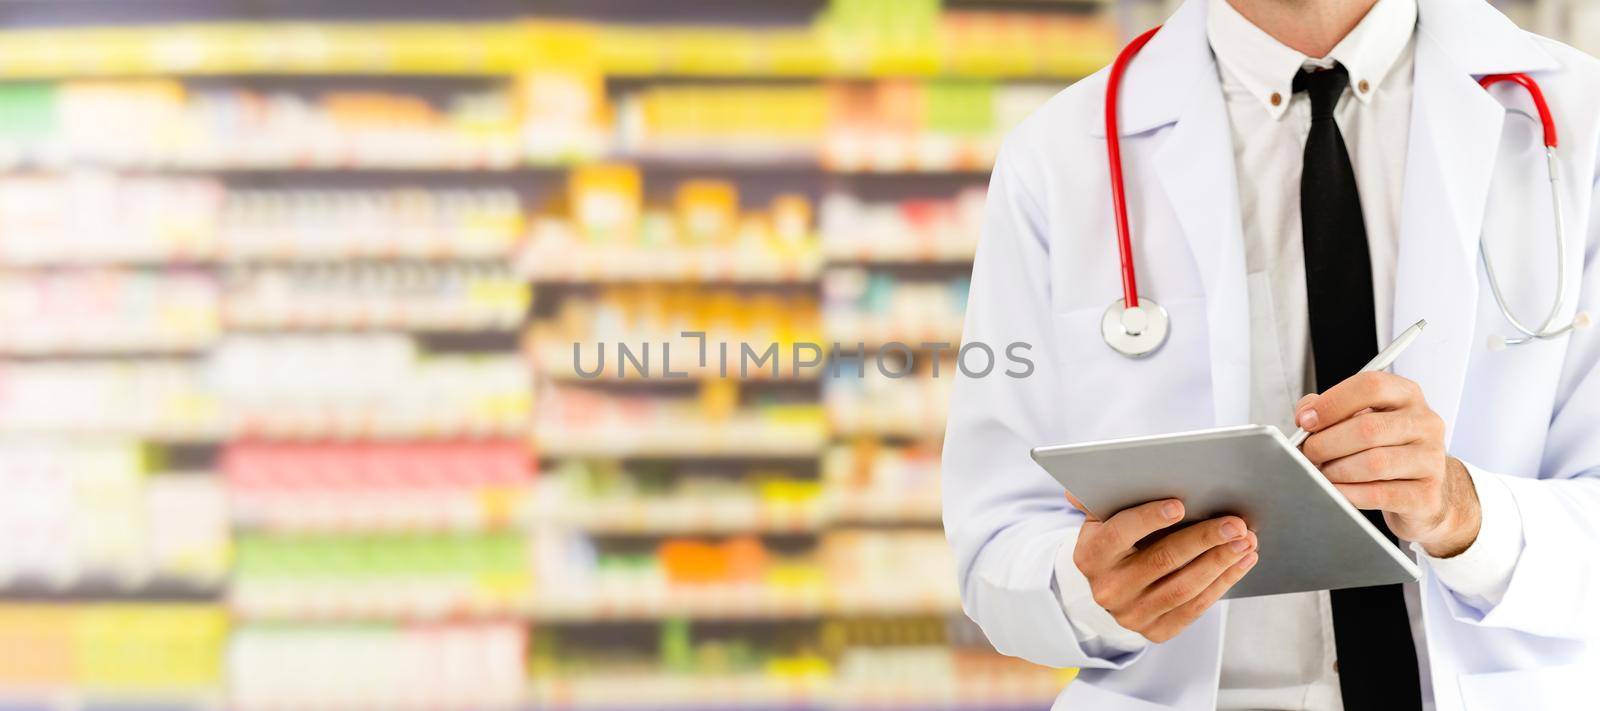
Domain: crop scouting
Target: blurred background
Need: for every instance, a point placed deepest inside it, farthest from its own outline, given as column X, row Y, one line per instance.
column 289, row 293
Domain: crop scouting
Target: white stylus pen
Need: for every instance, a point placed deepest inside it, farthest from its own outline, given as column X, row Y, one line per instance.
column 1383, row 360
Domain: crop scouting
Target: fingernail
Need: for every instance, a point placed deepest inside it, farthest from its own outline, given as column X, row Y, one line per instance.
column 1239, row 546
column 1307, row 419
column 1172, row 510
column 1247, row 561
column 1231, row 530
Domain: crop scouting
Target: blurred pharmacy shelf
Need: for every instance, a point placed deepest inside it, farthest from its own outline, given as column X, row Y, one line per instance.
column 449, row 486
column 394, row 666
column 956, row 43
column 742, row 438
column 576, row 264
column 1003, row 691
column 697, row 515
column 730, row 514
column 111, row 655
column 737, row 602
column 339, row 374
column 550, row 120
column 377, row 576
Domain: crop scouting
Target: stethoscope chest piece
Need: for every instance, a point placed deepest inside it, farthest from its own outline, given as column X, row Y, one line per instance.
column 1135, row 332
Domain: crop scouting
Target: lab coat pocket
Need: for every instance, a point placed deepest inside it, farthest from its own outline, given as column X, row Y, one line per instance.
column 1107, row 394
column 1569, row 686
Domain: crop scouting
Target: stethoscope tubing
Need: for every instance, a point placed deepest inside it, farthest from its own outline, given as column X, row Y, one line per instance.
column 1544, row 330
column 1547, row 124
column 1130, row 287
column 1119, row 202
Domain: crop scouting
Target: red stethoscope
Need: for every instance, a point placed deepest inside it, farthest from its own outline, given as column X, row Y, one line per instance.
column 1137, row 327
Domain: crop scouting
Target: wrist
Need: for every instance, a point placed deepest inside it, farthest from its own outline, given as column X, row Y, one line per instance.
column 1463, row 516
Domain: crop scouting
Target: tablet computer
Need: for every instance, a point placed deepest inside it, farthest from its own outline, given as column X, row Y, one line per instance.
column 1311, row 537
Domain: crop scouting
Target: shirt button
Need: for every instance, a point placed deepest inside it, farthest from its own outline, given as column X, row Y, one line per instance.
column 1362, row 86
column 1336, row 666
column 1276, row 98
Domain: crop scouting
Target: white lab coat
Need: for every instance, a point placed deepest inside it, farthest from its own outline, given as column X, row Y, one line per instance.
column 1047, row 268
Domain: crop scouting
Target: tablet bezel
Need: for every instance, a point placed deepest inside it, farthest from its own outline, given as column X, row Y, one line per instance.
column 1279, row 488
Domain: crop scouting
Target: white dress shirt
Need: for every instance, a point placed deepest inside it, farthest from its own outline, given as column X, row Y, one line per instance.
column 1278, row 651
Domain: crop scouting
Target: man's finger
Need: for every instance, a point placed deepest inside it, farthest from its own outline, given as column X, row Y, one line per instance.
column 1189, row 581
column 1177, row 550
column 1375, row 465
column 1363, row 432
column 1170, row 624
column 1114, row 539
column 1080, row 507
column 1399, row 496
column 1376, row 390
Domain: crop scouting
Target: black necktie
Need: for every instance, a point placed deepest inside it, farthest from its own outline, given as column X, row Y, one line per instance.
column 1377, row 657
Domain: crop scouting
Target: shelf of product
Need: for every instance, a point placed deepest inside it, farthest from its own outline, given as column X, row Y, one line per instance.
column 555, row 120
column 107, row 311
column 83, row 514
column 870, row 38
column 865, row 482
column 166, row 652
column 556, row 259
column 627, row 689
column 908, row 662
column 149, row 398
column 366, row 386
column 898, row 126
column 576, row 422
column 848, row 127
column 605, row 498
column 267, row 48
column 611, row 234
column 876, row 308
column 899, row 38
column 852, row 573
column 881, row 405
column 890, row 571
column 918, row 678
column 364, row 577
column 870, row 482
column 850, row 39
column 345, row 224
column 410, row 666
column 925, row 231
column 411, row 297
column 759, row 123
column 1005, row 689
column 940, row 677
column 376, row 486
column 300, row 386
column 89, row 217
column 168, row 124
column 639, row 333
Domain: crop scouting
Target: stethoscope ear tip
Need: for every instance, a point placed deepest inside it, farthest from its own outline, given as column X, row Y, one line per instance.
column 1582, row 320
column 1497, row 343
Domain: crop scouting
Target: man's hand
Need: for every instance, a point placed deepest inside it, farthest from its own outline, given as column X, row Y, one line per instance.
column 1375, row 438
column 1160, row 590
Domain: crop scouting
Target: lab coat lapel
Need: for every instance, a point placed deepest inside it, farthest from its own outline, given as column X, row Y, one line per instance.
column 1171, row 96
column 1196, row 168
column 1454, row 141
column 1454, row 136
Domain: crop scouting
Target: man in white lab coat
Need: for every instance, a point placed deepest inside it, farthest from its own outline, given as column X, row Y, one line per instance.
column 1302, row 176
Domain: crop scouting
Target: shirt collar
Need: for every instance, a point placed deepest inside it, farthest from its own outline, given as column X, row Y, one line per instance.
column 1266, row 68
